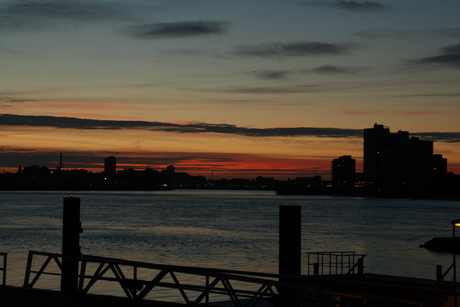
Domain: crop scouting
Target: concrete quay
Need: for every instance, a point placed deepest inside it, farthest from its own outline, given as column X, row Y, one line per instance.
column 23, row 297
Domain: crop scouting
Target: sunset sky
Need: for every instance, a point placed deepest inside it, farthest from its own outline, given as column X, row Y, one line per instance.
column 237, row 88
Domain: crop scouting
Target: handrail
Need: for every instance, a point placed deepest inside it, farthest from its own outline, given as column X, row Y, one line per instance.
column 218, row 282
column 3, row 268
column 338, row 262
column 241, row 287
column 448, row 270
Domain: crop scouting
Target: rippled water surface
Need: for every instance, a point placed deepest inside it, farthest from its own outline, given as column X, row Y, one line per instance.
column 227, row 229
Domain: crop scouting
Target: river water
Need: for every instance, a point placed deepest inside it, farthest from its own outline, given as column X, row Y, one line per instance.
column 227, row 229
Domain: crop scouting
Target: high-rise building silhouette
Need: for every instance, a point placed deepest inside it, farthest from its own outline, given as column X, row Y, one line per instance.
column 394, row 159
column 376, row 154
column 110, row 166
column 343, row 172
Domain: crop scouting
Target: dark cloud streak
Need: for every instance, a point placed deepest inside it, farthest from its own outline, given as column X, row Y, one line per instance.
column 404, row 34
column 448, row 137
column 367, row 6
column 294, row 49
column 271, row 74
column 325, row 70
column 332, row 69
column 39, row 15
column 91, row 124
column 454, row 49
column 355, row 6
column 178, row 29
column 448, row 56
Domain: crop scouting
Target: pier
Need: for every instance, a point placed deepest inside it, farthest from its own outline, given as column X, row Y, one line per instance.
column 141, row 284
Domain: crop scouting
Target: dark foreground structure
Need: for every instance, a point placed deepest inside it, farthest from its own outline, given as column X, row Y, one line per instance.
column 22, row 297
column 213, row 287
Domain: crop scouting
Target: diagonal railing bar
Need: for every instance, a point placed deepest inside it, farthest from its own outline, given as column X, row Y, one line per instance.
column 448, row 270
column 152, row 284
column 37, row 273
column 261, row 292
column 207, row 291
column 231, row 292
column 121, row 278
column 181, row 290
column 82, row 273
column 58, row 262
column 28, row 268
column 130, row 286
column 212, row 288
column 356, row 265
column 100, row 271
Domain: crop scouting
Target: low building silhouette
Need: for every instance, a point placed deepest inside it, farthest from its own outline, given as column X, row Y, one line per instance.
column 343, row 173
column 110, row 166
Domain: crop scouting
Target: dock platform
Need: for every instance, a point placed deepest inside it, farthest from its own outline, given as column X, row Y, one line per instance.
column 25, row 297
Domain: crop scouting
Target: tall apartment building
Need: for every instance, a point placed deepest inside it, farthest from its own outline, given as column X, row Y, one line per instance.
column 397, row 159
column 376, row 154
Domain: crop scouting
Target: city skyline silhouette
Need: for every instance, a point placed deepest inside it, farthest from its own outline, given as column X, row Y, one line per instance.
column 395, row 164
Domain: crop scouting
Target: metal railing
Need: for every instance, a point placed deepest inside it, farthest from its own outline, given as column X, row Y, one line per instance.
column 329, row 263
column 3, row 268
column 206, row 286
column 440, row 276
column 139, row 280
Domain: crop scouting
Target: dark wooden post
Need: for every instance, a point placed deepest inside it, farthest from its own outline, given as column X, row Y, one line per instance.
column 439, row 277
column 290, row 232
column 360, row 266
column 316, row 268
column 71, row 229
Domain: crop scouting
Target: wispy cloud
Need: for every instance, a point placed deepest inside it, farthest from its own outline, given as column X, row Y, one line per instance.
column 185, row 52
column 391, row 112
column 449, row 137
column 271, row 74
column 178, row 29
column 8, row 102
column 453, row 49
column 325, row 70
column 13, row 100
column 5, row 49
column 403, row 34
column 457, row 94
column 39, row 15
column 355, row 6
column 333, row 70
column 93, row 124
column 293, row 49
column 294, row 88
column 448, row 56
column 282, row 89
